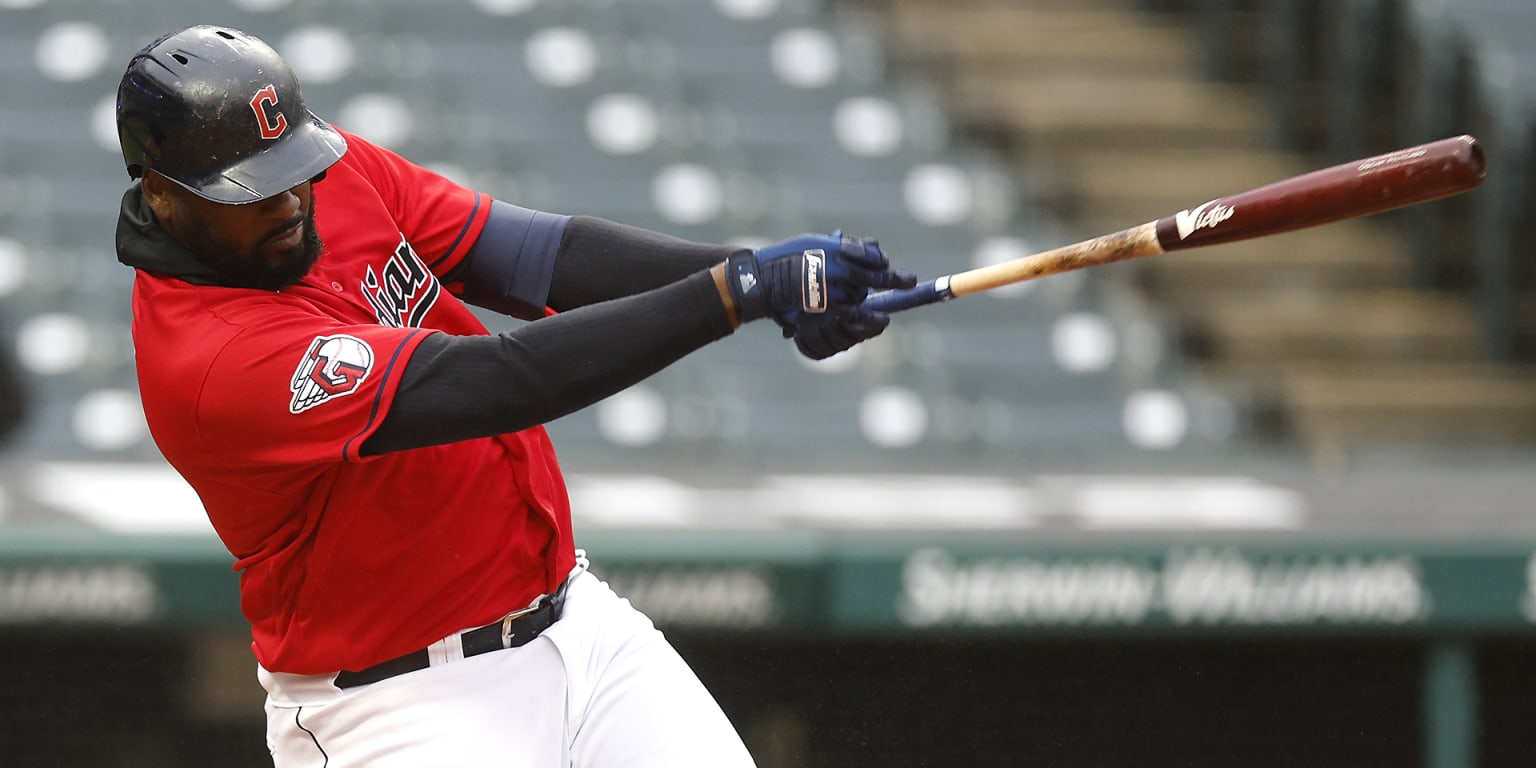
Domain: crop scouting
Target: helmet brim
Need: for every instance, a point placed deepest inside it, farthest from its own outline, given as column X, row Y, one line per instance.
column 306, row 152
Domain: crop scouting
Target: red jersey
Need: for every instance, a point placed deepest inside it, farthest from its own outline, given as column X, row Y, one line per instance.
column 262, row 399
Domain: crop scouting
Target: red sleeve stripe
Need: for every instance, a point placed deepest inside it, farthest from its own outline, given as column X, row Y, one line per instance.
column 351, row 451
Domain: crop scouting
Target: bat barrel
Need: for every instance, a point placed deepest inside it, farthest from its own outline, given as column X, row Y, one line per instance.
column 1350, row 190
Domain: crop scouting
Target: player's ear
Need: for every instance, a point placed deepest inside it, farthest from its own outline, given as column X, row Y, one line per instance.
column 159, row 193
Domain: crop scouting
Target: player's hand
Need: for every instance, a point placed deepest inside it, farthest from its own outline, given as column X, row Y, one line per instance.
column 809, row 275
column 822, row 336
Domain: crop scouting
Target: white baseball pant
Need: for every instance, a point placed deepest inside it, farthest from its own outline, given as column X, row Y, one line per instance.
column 601, row 688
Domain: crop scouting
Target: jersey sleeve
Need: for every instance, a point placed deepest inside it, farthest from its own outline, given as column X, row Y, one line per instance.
column 301, row 390
column 441, row 219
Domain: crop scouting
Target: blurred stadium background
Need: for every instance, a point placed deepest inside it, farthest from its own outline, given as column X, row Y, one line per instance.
column 1267, row 504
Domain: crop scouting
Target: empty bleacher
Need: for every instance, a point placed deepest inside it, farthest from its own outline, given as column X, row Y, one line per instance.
column 1408, row 329
column 716, row 120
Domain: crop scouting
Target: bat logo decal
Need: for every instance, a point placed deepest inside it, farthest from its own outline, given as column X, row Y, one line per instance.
column 334, row 366
column 1206, row 216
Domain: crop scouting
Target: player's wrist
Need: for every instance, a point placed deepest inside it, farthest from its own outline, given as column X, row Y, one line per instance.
column 717, row 274
column 745, row 285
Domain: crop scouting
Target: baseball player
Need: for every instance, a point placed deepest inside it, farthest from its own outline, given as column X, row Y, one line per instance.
column 373, row 458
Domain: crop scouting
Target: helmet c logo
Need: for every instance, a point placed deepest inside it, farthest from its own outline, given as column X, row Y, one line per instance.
column 274, row 126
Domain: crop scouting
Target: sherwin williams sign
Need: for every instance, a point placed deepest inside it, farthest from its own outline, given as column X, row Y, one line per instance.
column 62, row 592
column 728, row 581
column 1185, row 587
column 1189, row 588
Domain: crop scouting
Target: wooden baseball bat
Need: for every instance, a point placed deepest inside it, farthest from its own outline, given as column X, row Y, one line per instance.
column 1350, row 190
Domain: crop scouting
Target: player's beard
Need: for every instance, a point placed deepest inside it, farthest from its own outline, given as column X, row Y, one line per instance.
column 260, row 266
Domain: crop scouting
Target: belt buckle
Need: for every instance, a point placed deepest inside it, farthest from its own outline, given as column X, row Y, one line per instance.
column 506, row 621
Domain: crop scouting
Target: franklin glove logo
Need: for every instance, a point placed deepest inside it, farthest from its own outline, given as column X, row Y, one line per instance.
column 334, row 366
column 815, row 282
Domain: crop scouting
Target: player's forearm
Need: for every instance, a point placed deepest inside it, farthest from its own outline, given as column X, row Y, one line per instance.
column 601, row 260
column 463, row 387
column 525, row 260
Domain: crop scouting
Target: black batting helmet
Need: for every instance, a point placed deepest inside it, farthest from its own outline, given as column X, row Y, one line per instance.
column 219, row 112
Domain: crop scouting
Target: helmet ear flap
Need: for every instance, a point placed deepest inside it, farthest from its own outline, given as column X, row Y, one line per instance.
column 138, row 146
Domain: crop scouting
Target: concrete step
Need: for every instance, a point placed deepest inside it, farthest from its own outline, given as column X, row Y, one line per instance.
column 1412, row 403
column 1259, row 329
column 1000, row 35
column 1105, row 110
column 1056, row 111
column 1318, row 261
column 1177, row 177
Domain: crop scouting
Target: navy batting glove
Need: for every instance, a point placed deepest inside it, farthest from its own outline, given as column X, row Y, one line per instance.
column 822, row 336
column 807, row 275
column 882, row 276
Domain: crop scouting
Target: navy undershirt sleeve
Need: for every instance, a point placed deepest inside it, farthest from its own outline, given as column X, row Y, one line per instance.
column 511, row 265
column 525, row 260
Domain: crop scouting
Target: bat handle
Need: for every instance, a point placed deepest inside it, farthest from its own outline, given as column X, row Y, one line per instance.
column 928, row 292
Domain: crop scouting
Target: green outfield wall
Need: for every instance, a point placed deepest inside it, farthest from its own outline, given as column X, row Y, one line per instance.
column 884, row 583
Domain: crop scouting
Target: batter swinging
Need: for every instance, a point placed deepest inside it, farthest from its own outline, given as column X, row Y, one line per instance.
column 372, row 456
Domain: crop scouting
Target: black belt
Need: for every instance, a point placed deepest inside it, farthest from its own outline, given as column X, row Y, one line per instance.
column 510, row 631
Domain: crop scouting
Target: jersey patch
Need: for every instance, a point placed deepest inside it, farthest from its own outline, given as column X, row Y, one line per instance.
column 334, row 366
column 404, row 291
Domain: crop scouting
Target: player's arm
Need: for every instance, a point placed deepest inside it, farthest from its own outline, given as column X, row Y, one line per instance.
column 461, row 387
column 525, row 260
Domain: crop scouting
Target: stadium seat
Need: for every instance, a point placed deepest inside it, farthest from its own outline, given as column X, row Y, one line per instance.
column 716, row 120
